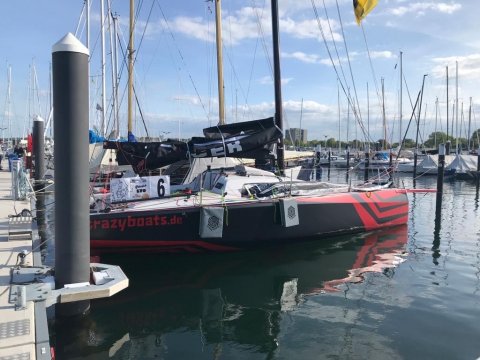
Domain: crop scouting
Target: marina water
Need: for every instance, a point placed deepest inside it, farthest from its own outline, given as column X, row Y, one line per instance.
column 409, row 292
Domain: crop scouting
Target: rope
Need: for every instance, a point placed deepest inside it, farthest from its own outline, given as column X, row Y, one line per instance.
column 182, row 59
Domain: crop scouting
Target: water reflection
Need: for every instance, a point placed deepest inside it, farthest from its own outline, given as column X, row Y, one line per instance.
column 196, row 306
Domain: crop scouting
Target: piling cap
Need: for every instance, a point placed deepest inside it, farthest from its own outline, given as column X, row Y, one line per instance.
column 38, row 118
column 70, row 43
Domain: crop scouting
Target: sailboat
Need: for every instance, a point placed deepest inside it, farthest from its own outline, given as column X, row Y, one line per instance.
column 230, row 209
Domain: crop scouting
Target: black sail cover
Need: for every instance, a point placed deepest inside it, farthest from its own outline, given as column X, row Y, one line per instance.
column 250, row 139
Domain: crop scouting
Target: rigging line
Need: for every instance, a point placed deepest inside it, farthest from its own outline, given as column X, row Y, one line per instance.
column 250, row 78
column 235, row 74
column 143, row 33
column 210, row 55
column 80, row 18
column 334, row 42
column 371, row 65
column 350, row 102
column 182, row 59
column 260, row 28
column 134, row 92
column 359, row 115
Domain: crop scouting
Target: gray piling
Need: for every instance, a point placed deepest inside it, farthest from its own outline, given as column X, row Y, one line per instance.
column 39, row 160
column 441, row 170
column 415, row 161
column 39, row 152
column 72, row 231
column 367, row 163
column 447, row 147
column 348, row 157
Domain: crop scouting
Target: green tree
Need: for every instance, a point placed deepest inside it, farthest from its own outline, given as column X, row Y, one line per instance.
column 437, row 137
column 475, row 139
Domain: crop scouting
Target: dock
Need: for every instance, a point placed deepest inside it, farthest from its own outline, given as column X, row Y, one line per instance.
column 27, row 287
column 23, row 330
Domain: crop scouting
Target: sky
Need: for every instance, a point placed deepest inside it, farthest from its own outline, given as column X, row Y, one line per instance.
column 325, row 55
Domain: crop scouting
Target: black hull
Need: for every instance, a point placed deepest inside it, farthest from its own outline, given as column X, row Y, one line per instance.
column 246, row 224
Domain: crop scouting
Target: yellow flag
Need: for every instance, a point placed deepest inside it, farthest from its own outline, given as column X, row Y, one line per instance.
column 362, row 8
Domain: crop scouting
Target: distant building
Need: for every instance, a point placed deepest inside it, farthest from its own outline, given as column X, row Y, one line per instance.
column 297, row 136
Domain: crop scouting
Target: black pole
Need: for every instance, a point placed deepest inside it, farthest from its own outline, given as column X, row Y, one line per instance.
column 478, row 168
column 72, row 231
column 39, row 159
column 440, row 175
column 278, row 86
column 447, row 147
column 367, row 162
column 348, row 157
column 39, row 152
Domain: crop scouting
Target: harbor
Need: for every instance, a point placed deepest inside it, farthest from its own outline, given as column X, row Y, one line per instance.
column 385, row 290
column 237, row 237
column 404, row 292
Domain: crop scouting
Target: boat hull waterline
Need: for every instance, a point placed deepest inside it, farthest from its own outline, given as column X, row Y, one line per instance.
column 247, row 224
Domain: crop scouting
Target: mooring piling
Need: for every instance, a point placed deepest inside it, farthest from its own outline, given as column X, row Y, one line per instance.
column 367, row 162
column 39, row 151
column 39, row 169
column 72, row 231
column 440, row 175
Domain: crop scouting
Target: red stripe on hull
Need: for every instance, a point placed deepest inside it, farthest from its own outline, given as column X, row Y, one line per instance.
column 343, row 198
column 370, row 223
column 372, row 207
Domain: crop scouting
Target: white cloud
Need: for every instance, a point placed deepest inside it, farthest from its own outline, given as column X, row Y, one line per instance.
column 309, row 106
column 468, row 66
column 249, row 23
column 194, row 27
column 303, row 57
column 267, row 80
column 420, row 8
column 316, row 59
column 382, row 54
column 309, row 29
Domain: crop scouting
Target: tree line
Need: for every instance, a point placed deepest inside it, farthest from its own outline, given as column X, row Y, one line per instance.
column 433, row 140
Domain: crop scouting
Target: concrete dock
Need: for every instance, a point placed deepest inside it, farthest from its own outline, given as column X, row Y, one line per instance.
column 19, row 329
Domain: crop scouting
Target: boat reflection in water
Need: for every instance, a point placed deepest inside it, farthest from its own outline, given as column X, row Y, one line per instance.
column 190, row 306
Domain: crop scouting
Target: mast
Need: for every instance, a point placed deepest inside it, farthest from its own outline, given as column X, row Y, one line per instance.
column 88, row 24
column 400, row 100
column 384, row 118
column 130, row 73
column 221, row 96
column 115, row 64
column 447, row 106
column 456, row 107
column 104, row 86
column 7, row 107
column 415, row 155
column 368, row 115
column 111, row 28
column 419, row 115
column 301, row 116
column 436, row 121
column 277, row 85
column 339, row 118
column 469, row 123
